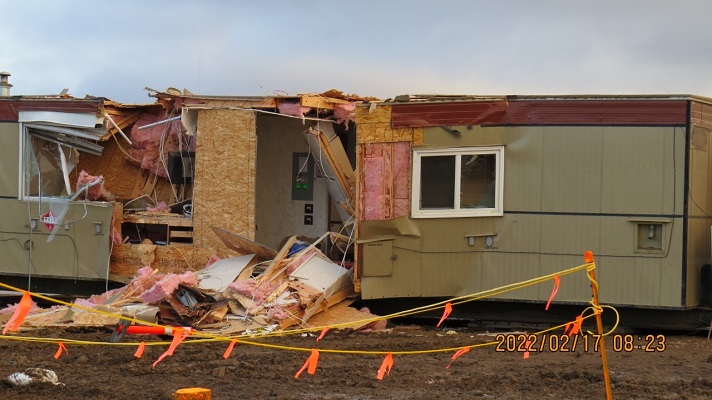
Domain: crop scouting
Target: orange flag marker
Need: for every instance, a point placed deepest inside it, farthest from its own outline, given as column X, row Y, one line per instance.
column 229, row 348
column 526, row 346
column 557, row 281
column 178, row 336
column 323, row 332
column 458, row 354
column 386, row 366
column 446, row 312
column 59, row 350
column 139, row 351
column 310, row 364
column 573, row 328
column 18, row 317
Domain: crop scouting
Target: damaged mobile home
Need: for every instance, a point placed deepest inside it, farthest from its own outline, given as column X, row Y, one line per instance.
column 443, row 195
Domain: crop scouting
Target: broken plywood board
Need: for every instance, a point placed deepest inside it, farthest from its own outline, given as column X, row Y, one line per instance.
column 127, row 259
column 375, row 127
column 343, row 315
column 244, row 245
column 224, row 182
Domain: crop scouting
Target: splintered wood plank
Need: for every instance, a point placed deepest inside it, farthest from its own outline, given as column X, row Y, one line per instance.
column 316, row 101
column 280, row 256
column 243, row 245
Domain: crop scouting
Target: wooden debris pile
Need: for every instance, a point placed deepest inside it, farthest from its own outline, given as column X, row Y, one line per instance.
column 232, row 295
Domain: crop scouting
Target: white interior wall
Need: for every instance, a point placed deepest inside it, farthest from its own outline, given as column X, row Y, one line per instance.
column 276, row 215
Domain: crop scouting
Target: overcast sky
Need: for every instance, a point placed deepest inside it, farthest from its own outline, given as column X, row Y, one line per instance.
column 378, row 48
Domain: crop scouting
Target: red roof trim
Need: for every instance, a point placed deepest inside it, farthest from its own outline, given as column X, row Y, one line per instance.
column 542, row 112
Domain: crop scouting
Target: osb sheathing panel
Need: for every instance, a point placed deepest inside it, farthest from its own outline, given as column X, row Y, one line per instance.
column 224, row 189
column 119, row 174
column 375, row 127
column 126, row 259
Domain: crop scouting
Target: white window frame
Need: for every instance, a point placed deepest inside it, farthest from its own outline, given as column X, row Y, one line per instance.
column 82, row 127
column 457, row 212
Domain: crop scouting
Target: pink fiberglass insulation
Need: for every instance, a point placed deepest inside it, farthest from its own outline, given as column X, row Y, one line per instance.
column 386, row 192
column 250, row 289
column 344, row 112
column 293, row 109
column 277, row 313
column 294, row 264
column 162, row 207
column 96, row 192
column 163, row 288
column 401, row 179
column 86, row 303
column 212, row 260
column 12, row 307
column 147, row 142
column 144, row 279
column 373, row 189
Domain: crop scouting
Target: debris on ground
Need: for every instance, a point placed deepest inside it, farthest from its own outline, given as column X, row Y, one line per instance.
column 298, row 286
column 32, row 376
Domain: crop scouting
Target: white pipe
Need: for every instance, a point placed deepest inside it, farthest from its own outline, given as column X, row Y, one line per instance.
column 159, row 123
column 106, row 114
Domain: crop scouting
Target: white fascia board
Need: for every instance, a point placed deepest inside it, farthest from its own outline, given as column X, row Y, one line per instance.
column 78, row 120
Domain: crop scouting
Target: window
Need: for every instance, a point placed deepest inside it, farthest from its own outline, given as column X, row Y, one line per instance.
column 47, row 167
column 460, row 182
column 50, row 145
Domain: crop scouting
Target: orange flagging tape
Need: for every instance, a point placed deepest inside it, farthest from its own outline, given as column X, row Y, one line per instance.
column 178, row 336
column 573, row 328
column 18, row 317
column 446, row 312
column 60, row 349
column 323, row 332
column 458, row 354
column 526, row 346
column 229, row 348
column 557, row 281
column 310, row 364
column 139, row 351
column 386, row 366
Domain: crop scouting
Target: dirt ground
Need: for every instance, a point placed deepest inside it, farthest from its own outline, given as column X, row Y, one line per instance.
column 683, row 370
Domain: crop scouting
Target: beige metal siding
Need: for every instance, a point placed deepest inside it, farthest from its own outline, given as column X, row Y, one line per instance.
column 9, row 161
column 75, row 252
column 699, row 211
column 567, row 190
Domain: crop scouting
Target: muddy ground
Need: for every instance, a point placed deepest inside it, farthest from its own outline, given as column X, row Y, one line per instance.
column 683, row 370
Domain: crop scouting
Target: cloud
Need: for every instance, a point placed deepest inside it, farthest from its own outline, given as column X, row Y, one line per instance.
column 368, row 47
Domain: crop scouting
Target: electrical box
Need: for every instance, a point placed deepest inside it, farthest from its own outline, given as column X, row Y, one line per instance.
column 302, row 177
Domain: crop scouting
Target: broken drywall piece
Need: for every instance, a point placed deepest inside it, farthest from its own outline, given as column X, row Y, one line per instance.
column 220, row 274
column 322, row 274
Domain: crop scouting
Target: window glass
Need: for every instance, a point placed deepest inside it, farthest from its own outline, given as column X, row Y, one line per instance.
column 45, row 175
column 478, row 181
column 458, row 182
column 437, row 182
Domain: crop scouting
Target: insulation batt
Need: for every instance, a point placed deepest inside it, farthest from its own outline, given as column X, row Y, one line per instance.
column 293, row 109
column 345, row 112
column 96, row 192
column 163, row 288
column 256, row 293
column 298, row 261
column 277, row 313
column 162, row 207
column 212, row 260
